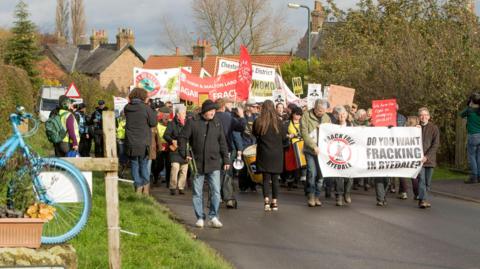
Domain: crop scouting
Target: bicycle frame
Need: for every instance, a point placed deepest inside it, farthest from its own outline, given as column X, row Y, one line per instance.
column 8, row 148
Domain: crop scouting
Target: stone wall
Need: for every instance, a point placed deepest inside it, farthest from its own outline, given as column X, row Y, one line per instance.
column 46, row 255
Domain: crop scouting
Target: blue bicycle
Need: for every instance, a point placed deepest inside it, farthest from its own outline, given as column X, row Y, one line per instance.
column 54, row 182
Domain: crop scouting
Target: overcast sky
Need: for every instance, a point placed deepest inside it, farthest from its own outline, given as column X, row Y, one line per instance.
column 144, row 17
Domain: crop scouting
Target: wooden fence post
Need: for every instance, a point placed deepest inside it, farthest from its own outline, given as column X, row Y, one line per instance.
column 111, row 191
column 461, row 160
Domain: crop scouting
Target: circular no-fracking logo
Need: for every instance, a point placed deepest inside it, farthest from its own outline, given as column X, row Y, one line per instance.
column 148, row 82
column 339, row 151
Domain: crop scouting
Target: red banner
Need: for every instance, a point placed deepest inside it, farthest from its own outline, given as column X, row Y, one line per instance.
column 244, row 78
column 216, row 87
column 384, row 112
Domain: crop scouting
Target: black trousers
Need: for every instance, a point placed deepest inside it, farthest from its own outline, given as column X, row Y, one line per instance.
column 162, row 162
column 84, row 146
column 267, row 178
column 98, row 139
column 61, row 149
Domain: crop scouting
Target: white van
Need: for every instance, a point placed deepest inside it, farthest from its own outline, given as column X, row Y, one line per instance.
column 49, row 100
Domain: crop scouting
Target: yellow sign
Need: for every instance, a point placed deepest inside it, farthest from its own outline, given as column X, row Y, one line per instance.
column 297, row 85
column 202, row 97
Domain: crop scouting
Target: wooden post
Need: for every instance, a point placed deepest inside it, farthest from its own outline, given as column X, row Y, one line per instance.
column 111, row 191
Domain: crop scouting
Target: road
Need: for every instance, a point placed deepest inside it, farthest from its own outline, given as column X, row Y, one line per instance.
column 361, row 235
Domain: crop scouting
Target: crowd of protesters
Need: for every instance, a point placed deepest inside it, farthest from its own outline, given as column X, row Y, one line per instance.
column 156, row 138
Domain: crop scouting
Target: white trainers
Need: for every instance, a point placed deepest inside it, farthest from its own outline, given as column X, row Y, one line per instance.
column 215, row 223
column 200, row 223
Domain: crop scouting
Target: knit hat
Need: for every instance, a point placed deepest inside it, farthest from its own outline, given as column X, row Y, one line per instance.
column 64, row 101
column 208, row 105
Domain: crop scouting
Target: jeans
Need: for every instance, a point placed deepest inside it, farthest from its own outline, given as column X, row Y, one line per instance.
column 140, row 170
column 473, row 151
column 381, row 186
column 342, row 185
column 314, row 180
column 213, row 179
column 424, row 182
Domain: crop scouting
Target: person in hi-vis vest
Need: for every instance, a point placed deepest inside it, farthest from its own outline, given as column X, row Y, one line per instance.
column 71, row 140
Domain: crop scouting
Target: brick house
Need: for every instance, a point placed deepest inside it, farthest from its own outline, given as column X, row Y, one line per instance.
column 201, row 57
column 110, row 64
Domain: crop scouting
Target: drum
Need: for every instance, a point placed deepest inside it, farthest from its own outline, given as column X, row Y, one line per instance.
column 301, row 161
column 250, row 156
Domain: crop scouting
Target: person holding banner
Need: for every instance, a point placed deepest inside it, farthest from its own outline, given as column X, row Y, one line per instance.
column 209, row 152
column 431, row 143
column 309, row 124
column 343, row 186
column 271, row 136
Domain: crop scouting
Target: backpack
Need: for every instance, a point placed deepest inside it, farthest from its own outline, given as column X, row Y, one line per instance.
column 54, row 128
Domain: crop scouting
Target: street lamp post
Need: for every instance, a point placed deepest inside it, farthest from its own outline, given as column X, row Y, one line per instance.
column 309, row 48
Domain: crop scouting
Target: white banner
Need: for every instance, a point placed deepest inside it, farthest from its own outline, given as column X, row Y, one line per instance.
column 354, row 152
column 119, row 103
column 263, row 78
column 278, row 96
column 161, row 83
column 314, row 93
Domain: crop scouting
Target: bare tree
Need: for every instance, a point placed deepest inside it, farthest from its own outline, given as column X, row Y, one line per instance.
column 78, row 21
column 229, row 23
column 174, row 37
column 61, row 20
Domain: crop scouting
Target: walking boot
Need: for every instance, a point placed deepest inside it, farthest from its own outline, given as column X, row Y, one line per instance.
column 139, row 190
column 339, row 200
column 471, row 180
column 348, row 198
column 317, row 201
column 146, row 189
column 422, row 204
column 173, row 191
column 311, row 200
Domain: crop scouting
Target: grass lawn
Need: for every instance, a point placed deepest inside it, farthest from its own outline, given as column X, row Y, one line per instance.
column 161, row 243
column 444, row 173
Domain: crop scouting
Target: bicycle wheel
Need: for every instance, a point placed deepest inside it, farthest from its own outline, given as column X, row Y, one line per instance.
column 59, row 184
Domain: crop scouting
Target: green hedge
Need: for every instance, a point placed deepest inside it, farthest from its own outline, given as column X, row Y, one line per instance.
column 15, row 89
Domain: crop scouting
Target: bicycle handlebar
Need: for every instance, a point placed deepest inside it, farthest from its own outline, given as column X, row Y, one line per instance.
column 19, row 117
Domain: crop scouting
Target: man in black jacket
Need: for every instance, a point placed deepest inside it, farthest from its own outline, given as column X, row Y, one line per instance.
column 140, row 118
column 204, row 134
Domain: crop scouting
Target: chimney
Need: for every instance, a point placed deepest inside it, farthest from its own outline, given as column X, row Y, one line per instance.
column 177, row 51
column 318, row 17
column 98, row 38
column 125, row 37
column 201, row 49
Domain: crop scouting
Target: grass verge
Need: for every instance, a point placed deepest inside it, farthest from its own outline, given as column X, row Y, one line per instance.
column 161, row 243
column 444, row 173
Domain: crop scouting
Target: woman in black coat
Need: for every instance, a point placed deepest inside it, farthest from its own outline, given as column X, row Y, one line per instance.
column 178, row 174
column 271, row 136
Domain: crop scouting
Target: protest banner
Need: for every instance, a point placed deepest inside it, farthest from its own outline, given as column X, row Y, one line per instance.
column 278, row 96
column 356, row 152
column 244, row 74
column 291, row 97
column 160, row 83
column 297, row 85
column 314, row 93
column 118, row 104
column 340, row 95
column 263, row 78
column 216, row 87
column 384, row 112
